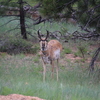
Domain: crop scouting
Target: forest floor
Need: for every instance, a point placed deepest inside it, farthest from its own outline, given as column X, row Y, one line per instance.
column 67, row 57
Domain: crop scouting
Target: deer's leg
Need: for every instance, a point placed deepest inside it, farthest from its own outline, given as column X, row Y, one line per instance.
column 52, row 64
column 44, row 71
column 57, row 68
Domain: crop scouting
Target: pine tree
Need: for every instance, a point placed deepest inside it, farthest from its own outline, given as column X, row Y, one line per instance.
column 10, row 6
column 86, row 12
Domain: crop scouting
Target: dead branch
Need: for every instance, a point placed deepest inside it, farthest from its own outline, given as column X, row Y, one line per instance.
column 40, row 20
column 91, row 66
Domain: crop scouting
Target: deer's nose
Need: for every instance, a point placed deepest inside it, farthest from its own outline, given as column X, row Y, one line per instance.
column 43, row 48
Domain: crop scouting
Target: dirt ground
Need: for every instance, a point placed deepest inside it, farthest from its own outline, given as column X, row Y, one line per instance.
column 18, row 97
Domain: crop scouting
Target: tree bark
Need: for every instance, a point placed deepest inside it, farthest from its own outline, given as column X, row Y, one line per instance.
column 22, row 20
column 91, row 67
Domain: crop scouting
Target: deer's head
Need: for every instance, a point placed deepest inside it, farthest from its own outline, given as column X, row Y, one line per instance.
column 43, row 41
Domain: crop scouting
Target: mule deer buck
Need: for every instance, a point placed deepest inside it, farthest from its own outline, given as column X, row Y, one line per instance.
column 50, row 51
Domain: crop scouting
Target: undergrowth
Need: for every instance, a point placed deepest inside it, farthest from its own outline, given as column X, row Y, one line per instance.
column 13, row 45
column 22, row 74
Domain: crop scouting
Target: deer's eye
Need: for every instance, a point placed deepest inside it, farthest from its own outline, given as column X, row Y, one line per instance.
column 43, row 40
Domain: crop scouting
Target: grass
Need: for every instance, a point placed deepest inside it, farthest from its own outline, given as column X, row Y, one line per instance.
column 22, row 73
column 53, row 26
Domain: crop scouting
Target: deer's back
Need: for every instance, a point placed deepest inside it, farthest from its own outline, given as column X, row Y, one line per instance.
column 55, row 48
column 54, row 44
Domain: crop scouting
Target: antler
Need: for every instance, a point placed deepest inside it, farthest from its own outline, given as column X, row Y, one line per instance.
column 39, row 35
column 47, row 35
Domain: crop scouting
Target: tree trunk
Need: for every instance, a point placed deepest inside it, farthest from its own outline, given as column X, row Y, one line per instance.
column 91, row 67
column 22, row 20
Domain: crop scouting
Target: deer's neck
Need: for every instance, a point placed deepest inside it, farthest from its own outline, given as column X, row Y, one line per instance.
column 46, row 53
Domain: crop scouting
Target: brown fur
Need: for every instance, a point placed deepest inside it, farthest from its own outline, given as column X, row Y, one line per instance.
column 48, row 56
column 53, row 45
column 50, row 51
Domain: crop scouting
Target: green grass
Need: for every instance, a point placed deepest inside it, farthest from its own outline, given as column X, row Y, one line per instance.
column 13, row 22
column 67, row 51
column 22, row 75
column 53, row 26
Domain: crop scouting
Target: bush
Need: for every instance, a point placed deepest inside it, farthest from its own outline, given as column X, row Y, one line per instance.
column 13, row 45
column 67, row 50
column 82, row 49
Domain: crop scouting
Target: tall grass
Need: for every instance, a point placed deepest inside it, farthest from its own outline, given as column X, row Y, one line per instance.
column 9, row 23
column 20, row 74
column 53, row 26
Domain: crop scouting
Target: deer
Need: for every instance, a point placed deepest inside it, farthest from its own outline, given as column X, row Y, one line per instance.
column 50, row 53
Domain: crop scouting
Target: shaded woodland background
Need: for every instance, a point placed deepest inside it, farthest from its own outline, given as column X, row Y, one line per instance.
column 84, row 13
column 75, row 23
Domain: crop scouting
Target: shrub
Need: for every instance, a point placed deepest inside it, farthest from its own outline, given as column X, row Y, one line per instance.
column 67, row 50
column 35, row 48
column 82, row 49
column 6, row 91
column 13, row 45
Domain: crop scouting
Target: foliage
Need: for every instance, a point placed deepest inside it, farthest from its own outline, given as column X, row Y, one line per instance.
column 89, row 13
column 82, row 50
column 6, row 90
column 96, row 76
column 7, row 4
column 54, row 7
column 67, row 50
column 17, row 45
column 20, row 74
column 85, row 12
